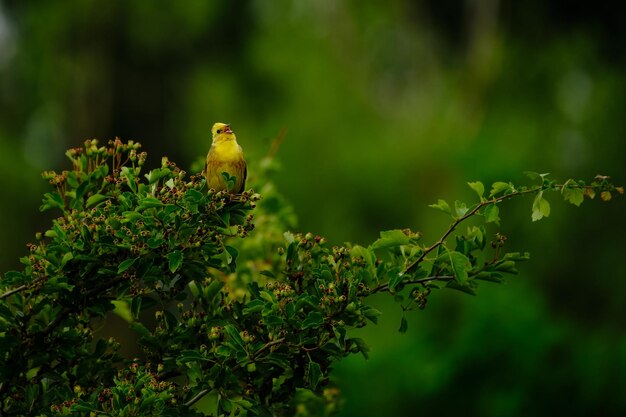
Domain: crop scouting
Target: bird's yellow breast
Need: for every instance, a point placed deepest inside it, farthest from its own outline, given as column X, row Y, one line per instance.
column 227, row 151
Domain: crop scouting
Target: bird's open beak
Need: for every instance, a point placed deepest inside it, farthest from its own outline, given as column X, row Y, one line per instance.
column 227, row 129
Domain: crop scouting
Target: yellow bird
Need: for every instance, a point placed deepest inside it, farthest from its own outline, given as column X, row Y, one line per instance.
column 225, row 156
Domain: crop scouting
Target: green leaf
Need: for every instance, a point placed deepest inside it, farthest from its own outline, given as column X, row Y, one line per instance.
column 442, row 205
column 506, row 266
column 313, row 319
column 193, row 196
column 122, row 309
column 535, row 175
column 279, row 359
column 491, row 213
column 230, row 180
column 253, row 306
column 290, row 310
column 135, row 307
column 490, row 276
column 460, row 208
column 52, row 200
column 389, row 239
column 131, row 216
column 235, row 337
column 124, row 265
column 477, row 236
column 225, row 217
column 156, row 174
column 372, row 314
column 66, row 258
column 141, row 329
column 516, row 256
column 461, row 287
column 395, row 280
column 154, row 242
column 574, row 195
column 6, row 313
column 130, row 174
column 273, row 320
column 361, row 252
column 95, row 199
column 82, row 407
column 404, row 325
column 232, row 254
column 175, row 260
column 289, row 237
column 314, row 374
column 478, row 188
column 212, row 291
column 541, row 207
column 190, row 356
column 149, row 202
column 72, row 179
column 500, row 187
column 460, row 265
column 13, row 276
column 101, row 172
column 361, row 346
column 268, row 296
column 223, row 350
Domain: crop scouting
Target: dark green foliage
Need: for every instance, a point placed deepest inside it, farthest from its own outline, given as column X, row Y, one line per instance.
column 229, row 322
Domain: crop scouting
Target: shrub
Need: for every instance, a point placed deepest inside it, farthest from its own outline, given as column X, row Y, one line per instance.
column 233, row 314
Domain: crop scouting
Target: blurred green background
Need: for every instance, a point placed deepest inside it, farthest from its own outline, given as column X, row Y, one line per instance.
column 388, row 106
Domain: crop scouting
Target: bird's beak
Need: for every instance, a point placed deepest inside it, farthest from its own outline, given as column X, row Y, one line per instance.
column 227, row 129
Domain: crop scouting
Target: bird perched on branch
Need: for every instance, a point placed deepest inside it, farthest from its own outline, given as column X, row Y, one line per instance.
column 225, row 168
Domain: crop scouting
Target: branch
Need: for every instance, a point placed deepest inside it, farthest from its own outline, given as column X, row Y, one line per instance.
column 276, row 142
column 197, row 397
column 13, row 291
column 267, row 346
column 472, row 212
column 385, row 286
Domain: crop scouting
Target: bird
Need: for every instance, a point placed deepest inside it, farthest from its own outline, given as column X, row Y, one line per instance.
column 225, row 156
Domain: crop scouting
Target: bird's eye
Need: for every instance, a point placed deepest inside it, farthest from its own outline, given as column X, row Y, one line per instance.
column 219, row 130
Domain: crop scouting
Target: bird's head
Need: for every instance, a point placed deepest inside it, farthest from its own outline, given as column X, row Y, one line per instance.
column 222, row 131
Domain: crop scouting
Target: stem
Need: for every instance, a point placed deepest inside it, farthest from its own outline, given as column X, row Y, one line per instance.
column 385, row 286
column 197, row 397
column 469, row 214
column 278, row 140
column 482, row 204
column 267, row 346
column 13, row 291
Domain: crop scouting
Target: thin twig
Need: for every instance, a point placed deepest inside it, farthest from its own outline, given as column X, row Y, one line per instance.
column 467, row 215
column 278, row 140
column 13, row 291
column 197, row 397
column 267, row 346
column 482, row 204
column 385, row 286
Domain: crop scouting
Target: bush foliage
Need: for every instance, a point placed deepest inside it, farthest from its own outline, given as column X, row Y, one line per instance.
column 233, row 313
